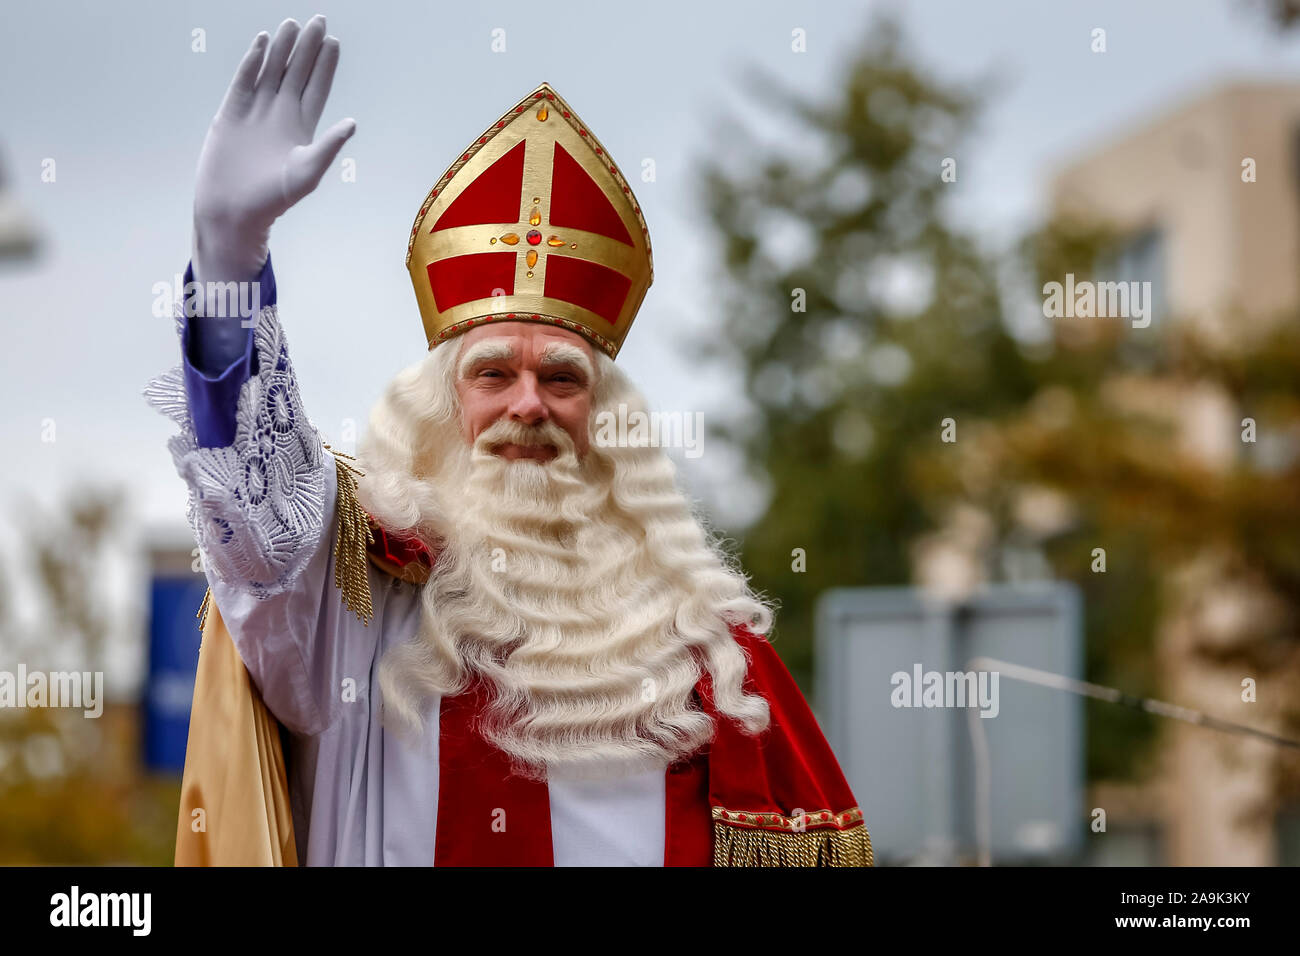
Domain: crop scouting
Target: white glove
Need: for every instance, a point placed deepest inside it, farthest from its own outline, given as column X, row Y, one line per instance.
column 259, row 158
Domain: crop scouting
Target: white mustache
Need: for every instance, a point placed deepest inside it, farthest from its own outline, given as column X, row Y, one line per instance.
column 504, row 431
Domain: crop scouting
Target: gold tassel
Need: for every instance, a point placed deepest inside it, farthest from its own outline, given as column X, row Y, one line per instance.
column 351, row 542
column 750, row 846
column 203, row 609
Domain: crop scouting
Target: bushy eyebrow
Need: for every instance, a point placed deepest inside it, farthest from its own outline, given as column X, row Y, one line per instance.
column 562, row 354
column 487, row 350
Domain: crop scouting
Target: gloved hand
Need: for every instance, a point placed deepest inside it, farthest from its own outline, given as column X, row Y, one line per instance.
column 259, row 159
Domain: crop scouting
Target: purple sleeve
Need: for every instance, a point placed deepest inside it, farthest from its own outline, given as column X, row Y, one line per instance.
column 216, row 362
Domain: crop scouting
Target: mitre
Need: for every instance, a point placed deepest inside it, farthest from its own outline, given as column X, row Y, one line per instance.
column 533, row 222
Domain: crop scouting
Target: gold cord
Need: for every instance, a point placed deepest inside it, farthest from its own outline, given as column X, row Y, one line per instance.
column 351, row 541
column 203, row 609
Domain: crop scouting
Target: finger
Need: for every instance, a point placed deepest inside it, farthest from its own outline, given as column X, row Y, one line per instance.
column 268, row 81
column 313, row 160
column 240, row 94
column 318, row 85
column 304, row 56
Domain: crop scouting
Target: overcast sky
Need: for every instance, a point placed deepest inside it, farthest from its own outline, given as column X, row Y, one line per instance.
column 115, row 95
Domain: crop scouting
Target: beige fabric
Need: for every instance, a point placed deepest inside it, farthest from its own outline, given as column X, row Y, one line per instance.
column 234, row 767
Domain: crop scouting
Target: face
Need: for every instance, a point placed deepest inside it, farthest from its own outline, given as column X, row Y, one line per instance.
column 527, row 372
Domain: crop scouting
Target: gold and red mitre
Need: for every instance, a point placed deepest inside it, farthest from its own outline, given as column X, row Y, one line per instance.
column 533, row 222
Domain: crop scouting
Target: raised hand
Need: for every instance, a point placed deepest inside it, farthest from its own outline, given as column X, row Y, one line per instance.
column 259, row 158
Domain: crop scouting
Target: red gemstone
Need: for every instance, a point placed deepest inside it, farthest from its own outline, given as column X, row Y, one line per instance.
column 566, row 114
column 536, row 316
column 482, row 139
column 501, row 124
column 597, row 150
column 582, row 132
column 519, row 109
column 533, row 237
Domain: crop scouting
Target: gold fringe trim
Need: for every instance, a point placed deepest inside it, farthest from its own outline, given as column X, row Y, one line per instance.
column 203, row 609
column 351, row 542
column 744, row 846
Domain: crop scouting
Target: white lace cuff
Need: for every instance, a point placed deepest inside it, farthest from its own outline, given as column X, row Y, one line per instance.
column 257, row 506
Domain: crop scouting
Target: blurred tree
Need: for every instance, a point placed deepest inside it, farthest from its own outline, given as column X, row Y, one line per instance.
column 1283, row 13
column 1176, row 450
column 858, row 318
column 1084, row 499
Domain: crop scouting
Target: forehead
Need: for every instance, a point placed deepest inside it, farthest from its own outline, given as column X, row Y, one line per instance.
column 525, row 338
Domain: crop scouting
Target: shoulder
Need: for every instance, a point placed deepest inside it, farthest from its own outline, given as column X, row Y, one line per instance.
column 765, row 666
column 360, row 542
column 767, row 676
column 404, row 557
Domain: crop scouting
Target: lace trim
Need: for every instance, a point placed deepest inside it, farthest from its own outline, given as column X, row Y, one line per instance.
column 256, row 507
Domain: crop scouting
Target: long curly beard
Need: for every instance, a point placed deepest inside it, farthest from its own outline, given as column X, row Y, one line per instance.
column 584, row 593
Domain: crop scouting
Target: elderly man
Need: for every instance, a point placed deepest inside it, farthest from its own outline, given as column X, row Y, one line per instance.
column 495, row 640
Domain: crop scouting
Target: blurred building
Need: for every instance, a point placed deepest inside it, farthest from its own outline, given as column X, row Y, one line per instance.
column 1214, row 246
column 1207, row 197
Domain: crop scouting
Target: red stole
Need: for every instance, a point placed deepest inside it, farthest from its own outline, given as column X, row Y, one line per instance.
column 490, row 816
column 776, row 797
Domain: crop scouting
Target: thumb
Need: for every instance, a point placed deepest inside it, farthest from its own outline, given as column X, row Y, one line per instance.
column 307, row 164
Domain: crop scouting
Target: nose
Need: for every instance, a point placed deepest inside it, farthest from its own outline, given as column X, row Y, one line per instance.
column 526, row 405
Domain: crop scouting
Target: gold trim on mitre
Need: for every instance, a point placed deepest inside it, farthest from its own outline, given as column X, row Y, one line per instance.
column 544, row 121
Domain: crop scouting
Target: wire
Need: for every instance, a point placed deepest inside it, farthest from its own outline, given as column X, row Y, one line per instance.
column 1113, row 695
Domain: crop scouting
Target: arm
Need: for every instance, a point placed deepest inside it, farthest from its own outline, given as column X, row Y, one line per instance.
column 217, row 358
column 262, row 509
column 257, row 161
column 262, row 487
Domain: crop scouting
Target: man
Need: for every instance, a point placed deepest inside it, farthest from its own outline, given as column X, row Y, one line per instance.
column 522, row 648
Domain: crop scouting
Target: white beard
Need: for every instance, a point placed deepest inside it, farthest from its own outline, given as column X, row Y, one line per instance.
column 582, row 591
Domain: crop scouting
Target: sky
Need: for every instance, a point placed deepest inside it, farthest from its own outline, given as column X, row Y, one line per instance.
column 118, row 97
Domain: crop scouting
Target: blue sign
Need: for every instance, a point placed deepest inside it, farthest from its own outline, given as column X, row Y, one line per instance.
column 174, row 638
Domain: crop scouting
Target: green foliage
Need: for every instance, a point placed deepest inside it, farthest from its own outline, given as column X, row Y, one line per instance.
column 841, row 395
